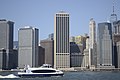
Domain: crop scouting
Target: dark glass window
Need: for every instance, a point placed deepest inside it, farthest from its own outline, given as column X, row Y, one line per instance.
column 43, row 71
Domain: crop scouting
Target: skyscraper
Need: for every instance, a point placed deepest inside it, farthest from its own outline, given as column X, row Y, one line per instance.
column 92, row 31
column 61, row 40
column 28, row 47
column 92, row 43
column 104, row 45
column 6, row 38
column 48, row 45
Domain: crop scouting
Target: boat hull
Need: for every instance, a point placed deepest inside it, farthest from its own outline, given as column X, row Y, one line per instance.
column 39, row 75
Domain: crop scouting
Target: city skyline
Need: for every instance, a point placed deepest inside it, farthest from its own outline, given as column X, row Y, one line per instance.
column 40, row 14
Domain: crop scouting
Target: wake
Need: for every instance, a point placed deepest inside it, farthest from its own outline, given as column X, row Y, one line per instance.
column 9, row 76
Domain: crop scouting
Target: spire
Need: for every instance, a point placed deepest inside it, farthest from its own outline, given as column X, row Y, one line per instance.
column 113, row 16
column 113, row 6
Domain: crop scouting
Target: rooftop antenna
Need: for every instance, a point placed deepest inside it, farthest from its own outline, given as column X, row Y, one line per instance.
column 113, row 15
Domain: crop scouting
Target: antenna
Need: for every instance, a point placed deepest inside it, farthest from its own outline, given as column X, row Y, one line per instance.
column 113, row 6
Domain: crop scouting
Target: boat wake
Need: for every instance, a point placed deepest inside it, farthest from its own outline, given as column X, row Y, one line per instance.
column 9, row 76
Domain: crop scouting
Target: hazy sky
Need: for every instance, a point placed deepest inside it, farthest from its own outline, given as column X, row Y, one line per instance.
column 40, row 14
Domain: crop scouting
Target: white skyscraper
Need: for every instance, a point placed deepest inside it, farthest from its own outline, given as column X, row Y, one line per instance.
column 92, row 31
column 92, row 43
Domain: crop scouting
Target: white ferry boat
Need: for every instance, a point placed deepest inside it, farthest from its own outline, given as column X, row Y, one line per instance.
column 44, row 71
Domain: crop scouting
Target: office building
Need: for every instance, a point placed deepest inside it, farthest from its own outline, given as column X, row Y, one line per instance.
column 3, row 59
column 6, row 39
column 116, row 38
column 48, row 45
column 92, row 42
column 28, row 47
column 76, row 56
column 104, row 45
column 61, row 40
column 92, row 32
column 41, row 56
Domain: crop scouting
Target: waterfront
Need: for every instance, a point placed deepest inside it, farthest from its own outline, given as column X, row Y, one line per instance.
column 85, row 75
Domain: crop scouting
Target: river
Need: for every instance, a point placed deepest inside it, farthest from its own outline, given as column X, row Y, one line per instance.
column 87, row 75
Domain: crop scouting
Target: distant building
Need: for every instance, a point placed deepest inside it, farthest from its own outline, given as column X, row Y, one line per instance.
column 15, row 45
column 92, row 31
column 104, row 45
column 48, row 46
column 3, row 56
column 116, row 39
column 79, row 41
column 14, row 59
column 28, row 47
column 41, row 56
column 61, row 40
column 51, row 36
column 92, row 42
column 6, row 39
column 86, row 58
column 76, row 57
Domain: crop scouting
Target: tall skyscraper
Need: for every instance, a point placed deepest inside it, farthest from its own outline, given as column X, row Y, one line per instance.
column 92, row 43
column 104, row 45
column 92, row 31
column 6, row 38
column 61, row 40
column 28, row 47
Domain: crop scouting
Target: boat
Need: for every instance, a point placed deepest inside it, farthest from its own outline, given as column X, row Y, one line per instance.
column 44, row 71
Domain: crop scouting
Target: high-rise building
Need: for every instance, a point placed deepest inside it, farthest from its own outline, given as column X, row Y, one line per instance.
column 104, row 45
column 61, row 40
column 48, row 45
column 116, row 38
column 92, row 43
column 6, row 39
column 92, row 31
column 28, row 47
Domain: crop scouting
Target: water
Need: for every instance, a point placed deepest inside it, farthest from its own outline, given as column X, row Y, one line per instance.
column 68, row 76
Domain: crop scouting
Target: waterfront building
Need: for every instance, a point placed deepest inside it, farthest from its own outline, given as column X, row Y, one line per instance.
column 104, row 45
column 86, row 59
column 3, row 59
column 28, row 47
column 92, row 32
column 92, row 43
column 6, row 39
column 48, row 45
column 116, row 38
column 76, row 56
column 41, row 56
column 61, row 40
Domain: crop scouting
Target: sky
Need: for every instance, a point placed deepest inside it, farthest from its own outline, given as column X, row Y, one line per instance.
column 40, row 14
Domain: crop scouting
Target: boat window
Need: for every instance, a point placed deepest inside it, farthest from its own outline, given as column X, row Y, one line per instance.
column 43, row 71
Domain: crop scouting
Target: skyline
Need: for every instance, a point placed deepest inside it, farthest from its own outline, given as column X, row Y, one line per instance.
column 40, row 14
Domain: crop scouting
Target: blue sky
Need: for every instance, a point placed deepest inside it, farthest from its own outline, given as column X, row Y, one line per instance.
column 40, row 14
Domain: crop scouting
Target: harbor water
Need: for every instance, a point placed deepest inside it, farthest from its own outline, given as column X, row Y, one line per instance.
column 84, row 75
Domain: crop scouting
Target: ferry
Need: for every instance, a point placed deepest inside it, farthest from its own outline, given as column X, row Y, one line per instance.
column 45, row 70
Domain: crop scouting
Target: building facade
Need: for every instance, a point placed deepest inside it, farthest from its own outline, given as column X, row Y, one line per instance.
column 61, row 40
column 104, row 45
column 28, row 47
column 6, row 39
column 116, row 38
column 48, row 45
column 92, row 42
